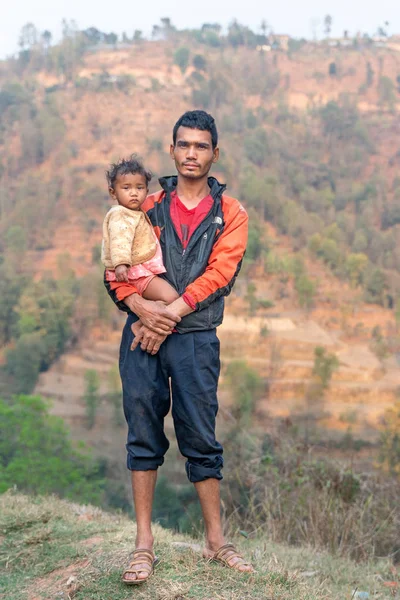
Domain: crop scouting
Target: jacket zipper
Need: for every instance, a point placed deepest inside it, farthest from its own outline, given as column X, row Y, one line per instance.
column 202, row 246
column 192, row 236
column 197, row 228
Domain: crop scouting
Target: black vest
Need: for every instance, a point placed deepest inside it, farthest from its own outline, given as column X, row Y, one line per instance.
column 185, row 265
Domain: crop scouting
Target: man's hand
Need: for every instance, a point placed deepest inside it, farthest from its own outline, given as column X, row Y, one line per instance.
column 121, row 273
column 149, row 341
column 154, row 315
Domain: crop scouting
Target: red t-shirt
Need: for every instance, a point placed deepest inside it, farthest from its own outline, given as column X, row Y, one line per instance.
column 187, row 220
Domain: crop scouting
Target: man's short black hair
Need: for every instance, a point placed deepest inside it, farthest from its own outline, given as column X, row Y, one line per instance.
column 132, row 165
column 197, row 119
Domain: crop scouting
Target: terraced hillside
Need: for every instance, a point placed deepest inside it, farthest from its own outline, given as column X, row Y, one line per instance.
column 311, row 151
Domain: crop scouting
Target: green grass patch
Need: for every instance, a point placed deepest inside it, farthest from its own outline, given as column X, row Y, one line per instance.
column 50, row 549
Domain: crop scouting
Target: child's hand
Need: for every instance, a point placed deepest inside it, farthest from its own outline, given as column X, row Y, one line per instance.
column 121, row 273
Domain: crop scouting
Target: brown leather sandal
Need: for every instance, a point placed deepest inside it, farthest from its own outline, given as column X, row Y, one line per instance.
column 140, row 557
column 225, row 554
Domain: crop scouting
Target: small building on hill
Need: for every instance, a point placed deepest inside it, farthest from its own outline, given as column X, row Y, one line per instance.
column 279, row 41
column 342, row 42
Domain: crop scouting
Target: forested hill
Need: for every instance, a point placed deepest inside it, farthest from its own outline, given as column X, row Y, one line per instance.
column 309, row 136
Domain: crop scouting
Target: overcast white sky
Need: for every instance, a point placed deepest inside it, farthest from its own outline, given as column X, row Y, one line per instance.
column 284, row 16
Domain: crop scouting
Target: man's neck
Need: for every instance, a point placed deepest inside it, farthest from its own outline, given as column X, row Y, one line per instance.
column 191, row 192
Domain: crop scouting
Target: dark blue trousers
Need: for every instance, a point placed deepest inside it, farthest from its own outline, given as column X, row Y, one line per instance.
column 190, row 362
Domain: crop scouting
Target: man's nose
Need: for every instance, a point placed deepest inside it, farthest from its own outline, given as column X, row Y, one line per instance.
column 191, row 152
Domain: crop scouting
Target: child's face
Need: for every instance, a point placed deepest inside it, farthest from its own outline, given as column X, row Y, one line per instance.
column 130, row 190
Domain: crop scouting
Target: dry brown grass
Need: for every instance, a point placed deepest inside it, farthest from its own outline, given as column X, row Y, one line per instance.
column 83, row 551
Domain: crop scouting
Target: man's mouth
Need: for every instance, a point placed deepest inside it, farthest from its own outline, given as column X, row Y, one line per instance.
column 190, row 165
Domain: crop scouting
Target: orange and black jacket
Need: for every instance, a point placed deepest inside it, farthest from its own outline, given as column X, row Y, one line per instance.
column 206, row 270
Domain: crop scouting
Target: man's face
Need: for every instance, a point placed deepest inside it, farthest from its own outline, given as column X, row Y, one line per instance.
column 193, row 153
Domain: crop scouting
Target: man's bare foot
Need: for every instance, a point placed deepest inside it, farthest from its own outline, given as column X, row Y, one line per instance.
column 229, row 557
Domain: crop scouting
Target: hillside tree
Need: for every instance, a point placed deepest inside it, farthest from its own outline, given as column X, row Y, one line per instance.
column 181, row 58
column 200, row 62
column 328, row 25
column 387, row 92
column 38, row 456
column 305, row 289
column 389, row 454
column 29, row 36
column 46, row 39
column 325, row 364
column 91, row 397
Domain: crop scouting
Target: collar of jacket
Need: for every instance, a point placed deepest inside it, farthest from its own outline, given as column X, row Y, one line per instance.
column 169, row 183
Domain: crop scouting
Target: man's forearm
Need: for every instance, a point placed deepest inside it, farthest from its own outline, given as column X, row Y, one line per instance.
column 180, row 307
column 155, row 315
column 134, row 302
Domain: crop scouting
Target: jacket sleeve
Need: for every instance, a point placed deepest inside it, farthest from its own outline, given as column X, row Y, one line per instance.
column 225, row 259
column 121, row 229
column 118, row 291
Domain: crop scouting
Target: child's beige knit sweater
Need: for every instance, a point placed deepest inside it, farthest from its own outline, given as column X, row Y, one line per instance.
column 128, row 238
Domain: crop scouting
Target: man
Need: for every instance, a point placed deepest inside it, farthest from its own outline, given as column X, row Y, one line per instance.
column 203, row 236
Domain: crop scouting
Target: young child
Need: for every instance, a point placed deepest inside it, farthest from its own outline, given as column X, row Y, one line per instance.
column 131, row 251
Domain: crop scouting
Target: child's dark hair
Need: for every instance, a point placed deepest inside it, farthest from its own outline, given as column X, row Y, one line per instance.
column 133, row 165
column 197, row 119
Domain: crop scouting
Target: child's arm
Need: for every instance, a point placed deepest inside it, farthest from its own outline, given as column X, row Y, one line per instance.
column 121, row 273
column 121, row 230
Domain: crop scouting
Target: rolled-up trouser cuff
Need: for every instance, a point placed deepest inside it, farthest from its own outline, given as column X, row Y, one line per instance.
column 200, row 472
column 143, row 464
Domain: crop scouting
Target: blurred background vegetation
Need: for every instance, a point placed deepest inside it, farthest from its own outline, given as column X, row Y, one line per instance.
column 321, row 176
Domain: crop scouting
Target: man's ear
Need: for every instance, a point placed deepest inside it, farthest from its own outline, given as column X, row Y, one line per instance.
column 171, row 151
column 216, row 155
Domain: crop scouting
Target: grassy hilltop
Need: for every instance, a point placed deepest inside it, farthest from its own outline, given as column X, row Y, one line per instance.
column 54, row 549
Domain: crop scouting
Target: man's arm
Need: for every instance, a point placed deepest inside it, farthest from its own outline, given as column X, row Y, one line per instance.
column 155, row 315
column 149, row 340
column 224, row 262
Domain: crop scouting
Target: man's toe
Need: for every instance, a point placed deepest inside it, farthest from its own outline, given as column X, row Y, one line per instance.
column 143, row 575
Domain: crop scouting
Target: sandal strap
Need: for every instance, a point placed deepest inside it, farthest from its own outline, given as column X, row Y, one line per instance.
column 141, row 557
column 136, row 571
column 140, row 562
column 143, row 552
column 227, row 552
column 223, row 550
